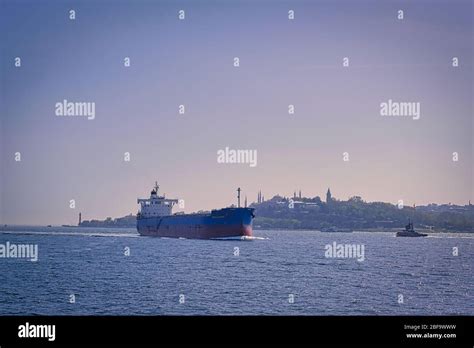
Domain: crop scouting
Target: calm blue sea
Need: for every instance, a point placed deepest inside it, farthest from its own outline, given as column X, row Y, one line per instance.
column 283, row 273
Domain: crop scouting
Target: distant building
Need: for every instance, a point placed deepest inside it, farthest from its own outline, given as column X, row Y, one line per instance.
column 328, row 196
column 305, row 206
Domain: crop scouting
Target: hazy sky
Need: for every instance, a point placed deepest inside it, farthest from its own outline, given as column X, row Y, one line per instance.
column 190, row 62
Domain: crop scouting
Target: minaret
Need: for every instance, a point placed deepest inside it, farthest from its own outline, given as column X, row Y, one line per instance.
column 300, row 194
column 80, row 219
column 328, row 196
column 260, row 197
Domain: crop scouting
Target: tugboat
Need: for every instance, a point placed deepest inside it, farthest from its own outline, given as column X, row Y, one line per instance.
column 410, row 231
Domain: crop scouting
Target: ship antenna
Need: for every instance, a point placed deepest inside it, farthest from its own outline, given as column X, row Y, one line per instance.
column 156, row 187
column 238, row 197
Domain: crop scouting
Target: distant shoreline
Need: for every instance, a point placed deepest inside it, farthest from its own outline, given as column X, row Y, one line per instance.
column 371, row 230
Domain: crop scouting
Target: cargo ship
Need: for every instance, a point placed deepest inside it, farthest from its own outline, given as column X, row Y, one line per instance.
column 156, row 219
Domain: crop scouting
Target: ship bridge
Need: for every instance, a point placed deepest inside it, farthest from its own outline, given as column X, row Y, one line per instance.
column 156, row 205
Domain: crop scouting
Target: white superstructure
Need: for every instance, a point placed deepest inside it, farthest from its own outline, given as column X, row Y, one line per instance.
column 156, row 205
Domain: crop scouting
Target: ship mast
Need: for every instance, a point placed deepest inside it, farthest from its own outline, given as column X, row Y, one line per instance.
column 156, row 187
column 414, row 211
column 238, row 197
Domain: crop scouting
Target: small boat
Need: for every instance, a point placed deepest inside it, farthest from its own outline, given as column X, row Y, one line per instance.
column 410, row 231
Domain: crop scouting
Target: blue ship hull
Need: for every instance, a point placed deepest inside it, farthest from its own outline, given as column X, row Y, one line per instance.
column 219, row 224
